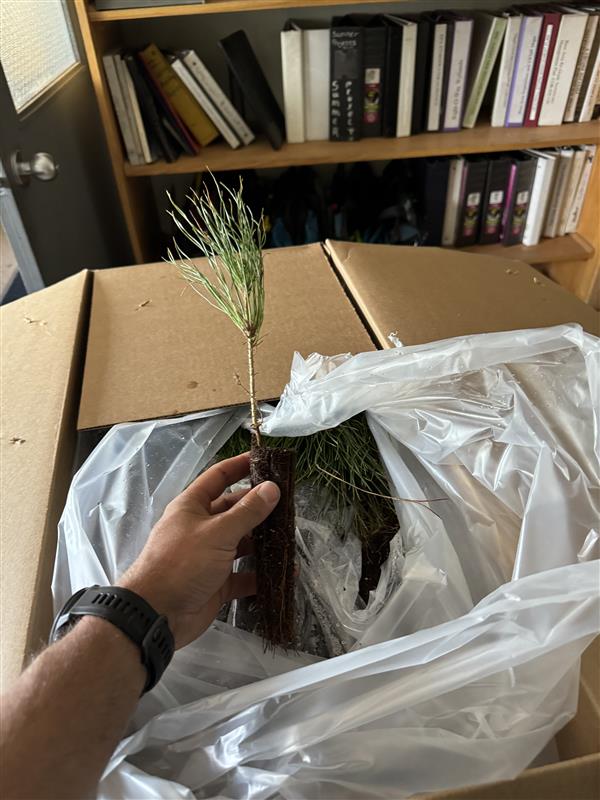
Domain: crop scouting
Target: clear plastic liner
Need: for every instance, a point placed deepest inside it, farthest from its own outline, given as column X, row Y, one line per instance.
column 463, row 664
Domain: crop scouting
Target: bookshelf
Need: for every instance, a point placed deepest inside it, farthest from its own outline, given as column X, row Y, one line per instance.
column 574, row 261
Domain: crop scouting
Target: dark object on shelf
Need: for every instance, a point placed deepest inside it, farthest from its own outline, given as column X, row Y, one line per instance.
column 296, row 209
column 116, row 5
column 518, row 198
column 375, row 35
column 494, row 199
column 275, row 547
column 346, row 80
column 155, row 130
column 422, row 75
column 257, row 93
column 431, row 184
column 467, row 231
column 391, row 81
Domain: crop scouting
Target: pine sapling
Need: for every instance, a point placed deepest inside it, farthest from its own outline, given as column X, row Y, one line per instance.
column 226, row 232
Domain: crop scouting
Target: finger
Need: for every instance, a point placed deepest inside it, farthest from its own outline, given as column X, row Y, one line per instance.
column 247, row 513
column 227, row 501
column 239, row 584
column 245, row 547
column 212, row 483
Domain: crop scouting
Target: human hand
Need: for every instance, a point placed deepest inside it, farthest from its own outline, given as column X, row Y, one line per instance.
column 185, row 568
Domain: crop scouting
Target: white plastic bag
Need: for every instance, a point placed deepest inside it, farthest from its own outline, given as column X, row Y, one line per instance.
column 461, row 672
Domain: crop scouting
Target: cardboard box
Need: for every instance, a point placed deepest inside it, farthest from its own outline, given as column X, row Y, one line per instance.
column 126, row 344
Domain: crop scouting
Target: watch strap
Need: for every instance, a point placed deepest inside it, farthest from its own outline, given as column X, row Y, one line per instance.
column 132, row 615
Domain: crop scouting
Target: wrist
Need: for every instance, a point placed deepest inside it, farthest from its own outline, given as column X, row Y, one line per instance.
column 126, row 653
column 150, row 591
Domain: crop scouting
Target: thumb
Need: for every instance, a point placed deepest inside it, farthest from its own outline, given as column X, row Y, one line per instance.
column 249, row 512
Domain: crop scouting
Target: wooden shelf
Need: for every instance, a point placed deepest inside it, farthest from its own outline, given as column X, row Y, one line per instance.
column 483, row 139
column 215, row 7
column 563, row 248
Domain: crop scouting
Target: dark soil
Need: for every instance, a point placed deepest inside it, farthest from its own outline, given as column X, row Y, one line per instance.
column 375, row 552
column 275, row 547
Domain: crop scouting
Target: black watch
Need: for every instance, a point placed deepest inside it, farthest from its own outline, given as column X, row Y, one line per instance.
column 131, row 614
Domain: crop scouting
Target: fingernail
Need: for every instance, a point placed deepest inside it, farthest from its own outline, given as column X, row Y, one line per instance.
column 269, row 492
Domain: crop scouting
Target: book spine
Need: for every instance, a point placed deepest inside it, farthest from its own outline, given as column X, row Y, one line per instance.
column 150, row 113
column 494, row 201
column 407, row 79
column 577, row 165
column 566, row 51
column 182, row 100
column 438, row 58
column 579, row 199
column 453, row 195
column 581, row 66
column 539, row 199
column 346, row 84
column 136, row 115
column 373, row 87
column 558, row 190
column 505, row 72
column 122, row 76
column 293, row 88
column 391, row 80
column 217, row 95
column 422, row 70
column 205, row 103
column 457, row 77
column 541, row 68
column 509, row 199
column 114, row 86
column 484, row 72
column 316, row 84
column 519, row 206
column 523, row 71
column 470, row 212
column 592, row 92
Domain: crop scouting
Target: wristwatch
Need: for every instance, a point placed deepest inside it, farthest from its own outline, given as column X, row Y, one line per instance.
column 132, row 615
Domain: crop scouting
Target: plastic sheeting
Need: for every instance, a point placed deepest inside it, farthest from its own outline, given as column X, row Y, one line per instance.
column 464, row 663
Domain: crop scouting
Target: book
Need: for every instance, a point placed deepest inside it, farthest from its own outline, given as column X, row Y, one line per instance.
column 581, row 66
column 126, row 90
column 136, row 114
column 154, row 128
column 529, row 37
column 375, row 34
column 391, row 80
column 118, row 101
column 472, row 192
column 293, row 81
column 251, row 80
column 171, row 121
column 453, row 194
column 204, row 78
column 457, row 75
column 518, row 197
column 541, row 67
column 450, row 17
column 488, row 33
column 431, row 176
column 562, row 68
column 506, row 69
column 422, row 74
column 346, row 80
column 204, row 102
column 576, row 207
column 180, row 97
column 590, row 89
column 563, row 168
column 407, row 73
column 438, row 59
column 577, row 165
column 316, row 65
column 540, row 194
column 494, row 197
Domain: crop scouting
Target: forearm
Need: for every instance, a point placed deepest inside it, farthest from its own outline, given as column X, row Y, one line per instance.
column 67, row 713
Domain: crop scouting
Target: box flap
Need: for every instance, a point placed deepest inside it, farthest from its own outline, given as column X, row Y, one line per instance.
column 156, row 349
column 426, row 293
column 40, row 379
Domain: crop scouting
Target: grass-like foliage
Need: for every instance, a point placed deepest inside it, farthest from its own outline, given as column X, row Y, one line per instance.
column 231, row 238
column 343, row 460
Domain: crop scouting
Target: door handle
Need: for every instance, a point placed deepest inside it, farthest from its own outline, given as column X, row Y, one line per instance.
column 41, row 166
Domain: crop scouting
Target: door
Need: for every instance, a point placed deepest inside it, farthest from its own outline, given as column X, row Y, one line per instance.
column 56, row 172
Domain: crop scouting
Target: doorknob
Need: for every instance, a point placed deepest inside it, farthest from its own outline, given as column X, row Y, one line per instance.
column 41, row 166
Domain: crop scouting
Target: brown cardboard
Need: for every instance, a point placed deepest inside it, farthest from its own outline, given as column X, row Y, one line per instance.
column 425, row 294
column 156, row 349
column 41, row 373
column 43, row 344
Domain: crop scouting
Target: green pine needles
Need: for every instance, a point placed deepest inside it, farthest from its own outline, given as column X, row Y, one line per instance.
column 231, row 238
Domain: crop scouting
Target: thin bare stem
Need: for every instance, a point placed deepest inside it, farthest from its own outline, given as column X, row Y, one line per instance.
column 254, row 413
